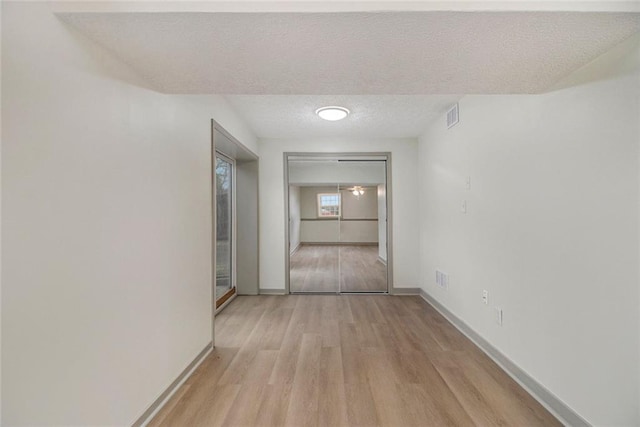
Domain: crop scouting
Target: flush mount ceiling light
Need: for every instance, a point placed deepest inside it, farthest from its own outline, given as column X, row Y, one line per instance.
column 332, row 113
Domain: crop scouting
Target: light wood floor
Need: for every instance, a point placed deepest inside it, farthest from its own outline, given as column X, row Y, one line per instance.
column 319, row 268
column 346, row 360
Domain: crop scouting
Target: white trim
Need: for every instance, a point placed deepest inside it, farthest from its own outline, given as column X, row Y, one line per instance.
column 550, row 401
column 294, row 250
column 272, row 292
column 407, row 291
column 166, row 395
column 339, row 243
column 348, row 6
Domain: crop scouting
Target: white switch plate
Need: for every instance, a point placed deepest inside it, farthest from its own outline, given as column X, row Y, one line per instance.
column 499, row 316
column 463, row 207
column 485, row 296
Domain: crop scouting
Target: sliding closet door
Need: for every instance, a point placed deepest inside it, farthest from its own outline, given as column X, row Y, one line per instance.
column 363, row 227
column 315, row 208
column 337, row 223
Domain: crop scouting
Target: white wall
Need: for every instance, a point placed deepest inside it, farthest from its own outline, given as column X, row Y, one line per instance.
column 106, row 280
column 332, row 172
column 309, row 200
column 339, row 231
column 551, row 231
column 294, row 217
column 364, row 206
column 272, row 214
column 0, row 225
column 359, row 232
column 333, row 231
column 319, row 232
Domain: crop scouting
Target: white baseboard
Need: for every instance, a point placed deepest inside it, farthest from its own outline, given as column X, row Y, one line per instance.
column 551, row 402
column 164, row 397
column 294, row 250
column 272, row 292
column 339, row 243
column 406, row 291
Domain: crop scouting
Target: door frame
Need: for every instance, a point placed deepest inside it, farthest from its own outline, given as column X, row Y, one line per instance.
column 233, row 148
column 386, row 156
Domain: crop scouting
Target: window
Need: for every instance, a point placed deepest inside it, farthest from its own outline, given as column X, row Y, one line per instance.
column 329, row 205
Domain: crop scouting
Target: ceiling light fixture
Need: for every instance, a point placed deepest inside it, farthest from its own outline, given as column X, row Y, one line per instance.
column 357, row 191
column 332, row 113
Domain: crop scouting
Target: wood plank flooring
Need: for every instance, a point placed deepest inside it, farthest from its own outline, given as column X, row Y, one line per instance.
column 346, row 360
column 319, row 268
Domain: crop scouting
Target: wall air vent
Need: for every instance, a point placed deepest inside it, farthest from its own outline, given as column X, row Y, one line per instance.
column 452, row 116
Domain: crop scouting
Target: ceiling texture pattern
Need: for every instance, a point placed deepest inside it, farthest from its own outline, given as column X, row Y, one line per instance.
column 356, row 53
column 277, row 68
column 381, row 116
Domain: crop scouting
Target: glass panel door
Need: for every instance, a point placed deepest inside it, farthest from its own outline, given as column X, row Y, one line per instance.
column 225, row 280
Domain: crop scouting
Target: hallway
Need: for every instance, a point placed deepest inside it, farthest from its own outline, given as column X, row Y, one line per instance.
column 345, row 360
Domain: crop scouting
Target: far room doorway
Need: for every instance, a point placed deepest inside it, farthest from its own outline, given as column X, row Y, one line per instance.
column 338, row 223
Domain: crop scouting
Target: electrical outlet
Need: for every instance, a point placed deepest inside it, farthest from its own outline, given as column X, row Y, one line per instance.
column 485, row 297
column 499, row 316
column 463, row 207
column 468, row 183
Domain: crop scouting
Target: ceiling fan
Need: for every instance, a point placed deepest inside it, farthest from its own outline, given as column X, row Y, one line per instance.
column 356, row 190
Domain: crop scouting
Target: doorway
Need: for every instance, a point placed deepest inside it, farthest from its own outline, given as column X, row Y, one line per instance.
column 338, row 223
column 235, row 256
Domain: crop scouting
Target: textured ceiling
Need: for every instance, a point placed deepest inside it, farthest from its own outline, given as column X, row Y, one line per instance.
column 356, row 53
column 394, row 70
column 382, row 116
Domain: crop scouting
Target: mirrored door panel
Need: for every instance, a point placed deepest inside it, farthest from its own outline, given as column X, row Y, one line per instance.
column 363, row 227
column 315, row 208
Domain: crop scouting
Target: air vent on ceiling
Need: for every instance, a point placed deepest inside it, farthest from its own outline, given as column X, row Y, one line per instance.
column 452, row 116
